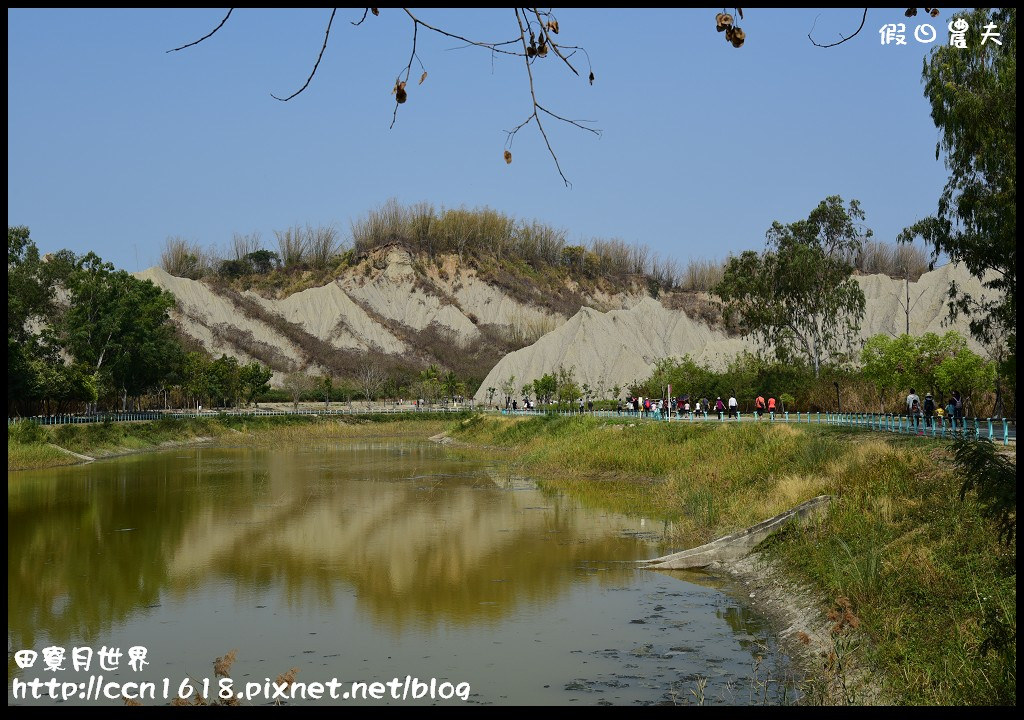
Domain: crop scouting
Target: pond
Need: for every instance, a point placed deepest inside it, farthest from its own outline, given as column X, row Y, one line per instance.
column 360, row 562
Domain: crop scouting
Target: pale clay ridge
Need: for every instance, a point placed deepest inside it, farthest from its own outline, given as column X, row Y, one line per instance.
column 616, row 347
column 621, row 346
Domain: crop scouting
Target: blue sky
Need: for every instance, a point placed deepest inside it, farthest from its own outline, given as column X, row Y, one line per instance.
column 114, row 144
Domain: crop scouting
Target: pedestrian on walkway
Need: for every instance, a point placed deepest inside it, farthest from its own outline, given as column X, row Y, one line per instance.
column 929, row 409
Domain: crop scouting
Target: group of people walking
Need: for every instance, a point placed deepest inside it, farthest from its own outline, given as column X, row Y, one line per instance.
column 687, row 406
column 924, row 413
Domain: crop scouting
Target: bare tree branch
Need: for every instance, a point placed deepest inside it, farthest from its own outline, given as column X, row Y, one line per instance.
column 205, row 36
column 319, row 57
column 366, row 12
column 534, row 115
column 495, row 46
column 546, row 27
column 862, row 20
column 408, row 69
column 552, row 43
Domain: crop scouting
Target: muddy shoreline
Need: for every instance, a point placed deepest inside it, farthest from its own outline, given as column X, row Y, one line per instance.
column 800, row 619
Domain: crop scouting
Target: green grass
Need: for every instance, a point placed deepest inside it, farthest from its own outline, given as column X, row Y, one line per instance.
column 28, row 448
column 36, row 455
column 932, row 589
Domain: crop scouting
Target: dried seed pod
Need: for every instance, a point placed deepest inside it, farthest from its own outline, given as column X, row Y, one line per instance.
column 727, row 19
column 553, row 26
column 423, row 77
column 542, row 49
column 729, row 32
column 911, row 12
column 399, row 92
column 375, row 11
column 719, row 25
column 934, row 12
column 508, row 158
column 738, row 34
column 531, row 51
column 591, row 78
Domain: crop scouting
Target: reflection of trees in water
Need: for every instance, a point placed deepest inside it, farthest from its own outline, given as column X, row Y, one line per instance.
column 438, row 548
column 73, row 566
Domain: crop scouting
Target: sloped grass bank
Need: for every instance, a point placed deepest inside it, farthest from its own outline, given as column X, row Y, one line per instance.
column 922, row 593
column 29, row 447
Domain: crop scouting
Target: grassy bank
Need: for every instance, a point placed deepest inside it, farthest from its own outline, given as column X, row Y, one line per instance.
column 31, row 446
column 930, row 593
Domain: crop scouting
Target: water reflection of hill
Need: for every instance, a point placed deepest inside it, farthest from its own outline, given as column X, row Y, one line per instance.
column 418, row 538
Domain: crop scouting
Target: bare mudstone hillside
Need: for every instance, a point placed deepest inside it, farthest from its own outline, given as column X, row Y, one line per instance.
column 401, row 313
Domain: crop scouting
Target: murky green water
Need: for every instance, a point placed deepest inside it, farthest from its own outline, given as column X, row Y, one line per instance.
column 363, row 561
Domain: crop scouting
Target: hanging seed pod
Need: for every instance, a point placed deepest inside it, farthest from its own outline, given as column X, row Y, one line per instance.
column 729, row 33
column 911, row 12
column 738, row 36
column 727, row 19
column 508, row 158
column 423, row 77
column 399, row 92
column 553, row 26
column 375, row 11
column 934, row 12
column 531, row 51
column 542, row 49
column 719, row 25
column 591, row 78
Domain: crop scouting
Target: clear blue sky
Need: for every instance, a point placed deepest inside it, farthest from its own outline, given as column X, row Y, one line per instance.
column 114, row 144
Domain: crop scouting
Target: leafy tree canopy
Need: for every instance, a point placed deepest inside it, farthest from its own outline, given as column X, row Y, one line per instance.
column 973, row 96
column 798, row 296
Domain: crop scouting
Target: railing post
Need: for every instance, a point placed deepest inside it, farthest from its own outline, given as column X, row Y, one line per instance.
column 1006, row 432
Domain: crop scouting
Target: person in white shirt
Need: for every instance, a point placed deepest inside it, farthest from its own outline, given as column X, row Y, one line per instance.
column 734, row 407
column 911, row 399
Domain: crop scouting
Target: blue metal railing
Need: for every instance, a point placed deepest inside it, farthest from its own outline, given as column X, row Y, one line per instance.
column 1002, row 430
column 995, row 429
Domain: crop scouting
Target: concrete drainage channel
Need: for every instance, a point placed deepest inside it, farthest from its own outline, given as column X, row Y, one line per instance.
column 738, row 544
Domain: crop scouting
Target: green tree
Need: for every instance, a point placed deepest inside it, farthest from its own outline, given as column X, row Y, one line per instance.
column 508, row 388
column 966, row 372
column 325, row 386
column 544, row 388
column 450, row 384
column 29, row 298
column 568, row 391
column 527, row 390
column 224, row 380
column 798, row 297
column 973, row 96
column 196, row 381
column 254, row 379
column 935, row 363
column 116, row 324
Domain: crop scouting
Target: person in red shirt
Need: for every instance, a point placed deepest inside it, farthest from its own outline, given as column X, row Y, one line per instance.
column 771, row 406
column 759, row 406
